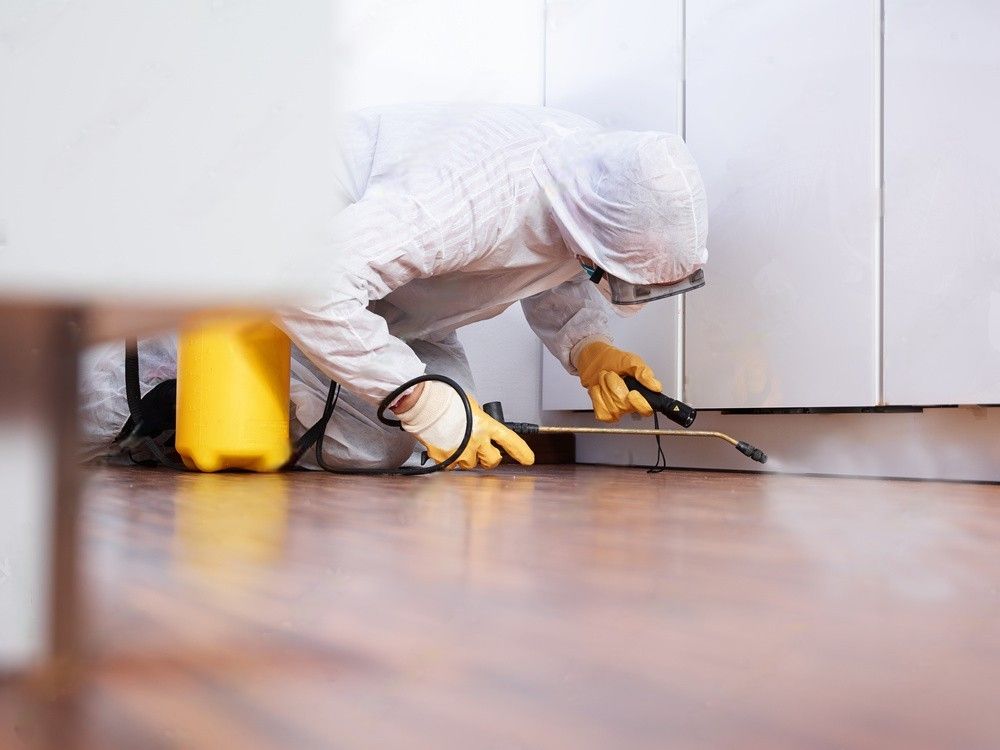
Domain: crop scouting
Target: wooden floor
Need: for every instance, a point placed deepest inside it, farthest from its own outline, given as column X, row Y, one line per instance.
column 562, row 607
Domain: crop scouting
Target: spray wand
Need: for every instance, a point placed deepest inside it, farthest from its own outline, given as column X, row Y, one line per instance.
column 674, row 410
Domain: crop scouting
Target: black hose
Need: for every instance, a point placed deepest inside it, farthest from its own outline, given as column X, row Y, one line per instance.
column 331, row 402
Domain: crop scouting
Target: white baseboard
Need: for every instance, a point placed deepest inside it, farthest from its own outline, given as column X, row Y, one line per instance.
column 960, row 443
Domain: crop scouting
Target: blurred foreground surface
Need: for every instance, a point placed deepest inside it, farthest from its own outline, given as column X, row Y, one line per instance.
column 574, row 607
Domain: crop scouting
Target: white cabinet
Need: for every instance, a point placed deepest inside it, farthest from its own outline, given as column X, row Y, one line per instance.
column 154, row 155
column 942, row 202
column 782, row 117
column 619, row 63
column 163, row 152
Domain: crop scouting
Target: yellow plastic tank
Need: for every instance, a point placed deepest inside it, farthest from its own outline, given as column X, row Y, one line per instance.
column 232, row 395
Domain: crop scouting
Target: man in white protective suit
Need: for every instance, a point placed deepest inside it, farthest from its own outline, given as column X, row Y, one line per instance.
column 456, row 212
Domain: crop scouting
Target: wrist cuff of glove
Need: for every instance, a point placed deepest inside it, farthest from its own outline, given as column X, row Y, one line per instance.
column 437, row 417
column 582, row 344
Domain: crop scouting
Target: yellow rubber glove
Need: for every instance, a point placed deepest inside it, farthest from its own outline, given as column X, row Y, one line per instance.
column 601, row 368
column 437, row 420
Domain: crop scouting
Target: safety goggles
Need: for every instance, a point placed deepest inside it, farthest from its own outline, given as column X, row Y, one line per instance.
column 625, row 293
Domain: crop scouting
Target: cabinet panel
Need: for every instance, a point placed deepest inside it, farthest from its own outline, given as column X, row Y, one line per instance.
column 782, row 117
column 942, row 202
column 620, row 64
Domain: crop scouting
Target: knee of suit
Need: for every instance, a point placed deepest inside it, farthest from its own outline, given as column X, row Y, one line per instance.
column 388, row 450
column 397, row 448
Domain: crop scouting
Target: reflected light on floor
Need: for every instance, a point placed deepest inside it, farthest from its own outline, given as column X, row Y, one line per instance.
column 229, row 527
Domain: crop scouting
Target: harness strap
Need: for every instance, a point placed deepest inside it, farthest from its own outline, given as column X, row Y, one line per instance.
column 136, row 431
column 133, row 394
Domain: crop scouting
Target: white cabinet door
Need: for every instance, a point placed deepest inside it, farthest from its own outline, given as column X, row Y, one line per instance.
column 782, row 117
column 942, row 202
column 620, row 63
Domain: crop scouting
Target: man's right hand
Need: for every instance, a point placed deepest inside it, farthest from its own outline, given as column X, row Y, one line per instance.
column 601, row 368
column 436, row 418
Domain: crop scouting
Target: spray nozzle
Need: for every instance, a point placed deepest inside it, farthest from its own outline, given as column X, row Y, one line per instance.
column 750, row 452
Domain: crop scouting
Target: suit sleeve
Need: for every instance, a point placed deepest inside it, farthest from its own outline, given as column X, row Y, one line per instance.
column 378, row 244
column 566, row 316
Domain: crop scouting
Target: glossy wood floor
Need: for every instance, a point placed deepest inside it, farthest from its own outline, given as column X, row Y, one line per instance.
column 562, row 607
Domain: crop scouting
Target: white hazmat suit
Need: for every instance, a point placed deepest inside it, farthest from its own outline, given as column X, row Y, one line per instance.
column 456, row 212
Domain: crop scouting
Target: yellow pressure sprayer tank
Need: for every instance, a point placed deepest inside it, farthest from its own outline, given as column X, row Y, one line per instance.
column 232, row 395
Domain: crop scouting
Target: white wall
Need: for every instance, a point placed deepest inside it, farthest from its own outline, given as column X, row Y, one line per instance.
column 455, row 50
column 620, row 63
column 395, row 51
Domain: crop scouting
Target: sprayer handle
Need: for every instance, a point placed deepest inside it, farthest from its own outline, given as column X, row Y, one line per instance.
column 672, row 409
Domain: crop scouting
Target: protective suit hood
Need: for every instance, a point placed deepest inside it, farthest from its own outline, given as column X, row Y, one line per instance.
column 633, row 202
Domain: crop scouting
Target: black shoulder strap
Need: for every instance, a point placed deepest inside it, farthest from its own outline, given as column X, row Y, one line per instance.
column 142, row 428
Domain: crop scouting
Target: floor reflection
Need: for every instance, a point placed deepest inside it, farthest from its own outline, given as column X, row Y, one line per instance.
column 230, row 527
